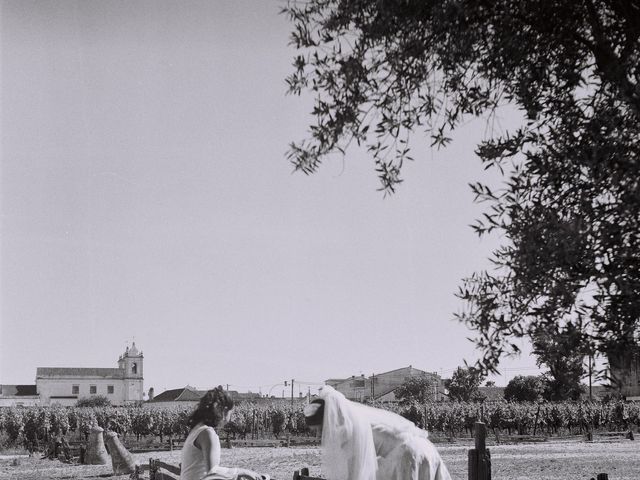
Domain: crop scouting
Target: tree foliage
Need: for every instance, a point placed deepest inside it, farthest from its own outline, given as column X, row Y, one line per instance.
column 419, row 388
column 562, row 355
column 463, row 384
column 569, row 209
column 522, row 388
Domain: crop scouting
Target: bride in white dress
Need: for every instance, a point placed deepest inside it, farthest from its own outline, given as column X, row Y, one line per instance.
column 365, row 443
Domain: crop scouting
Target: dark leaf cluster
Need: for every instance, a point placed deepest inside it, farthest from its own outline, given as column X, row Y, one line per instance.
column 569, row 209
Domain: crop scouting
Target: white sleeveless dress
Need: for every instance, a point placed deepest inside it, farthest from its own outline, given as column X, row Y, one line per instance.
column 194, row 466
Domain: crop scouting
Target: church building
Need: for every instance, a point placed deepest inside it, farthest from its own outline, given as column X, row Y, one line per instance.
column 66, row 385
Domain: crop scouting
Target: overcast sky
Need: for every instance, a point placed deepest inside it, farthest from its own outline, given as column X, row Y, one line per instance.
column 146, row 196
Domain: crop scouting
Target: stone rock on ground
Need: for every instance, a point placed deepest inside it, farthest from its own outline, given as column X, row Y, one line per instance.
column 121, row 459
column 96, row 452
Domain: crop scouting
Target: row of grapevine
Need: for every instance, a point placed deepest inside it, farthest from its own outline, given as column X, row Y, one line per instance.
column 550, row 418
column 34, row 425
column 37, row 424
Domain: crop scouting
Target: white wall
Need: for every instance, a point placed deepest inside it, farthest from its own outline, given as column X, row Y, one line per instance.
column 62, row 387
column 135, row 390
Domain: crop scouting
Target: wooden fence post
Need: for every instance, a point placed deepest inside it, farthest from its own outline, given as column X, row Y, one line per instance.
column 480, row 458
column 83, row 452
column 153, row 469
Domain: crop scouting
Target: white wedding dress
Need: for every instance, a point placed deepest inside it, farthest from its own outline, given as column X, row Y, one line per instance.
column 365, row 443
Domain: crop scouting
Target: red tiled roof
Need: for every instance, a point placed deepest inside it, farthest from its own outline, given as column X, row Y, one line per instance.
column 167, row 395
column 47, row 372
column 179, row 395
column 410, row 368
column 189, row 395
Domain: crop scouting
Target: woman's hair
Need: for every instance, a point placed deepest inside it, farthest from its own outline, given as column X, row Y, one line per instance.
column 211, row 408
column 314, row 412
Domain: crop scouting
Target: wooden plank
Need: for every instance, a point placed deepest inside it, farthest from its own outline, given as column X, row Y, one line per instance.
column 155, row 465
column 168, row 467
column 166, row 476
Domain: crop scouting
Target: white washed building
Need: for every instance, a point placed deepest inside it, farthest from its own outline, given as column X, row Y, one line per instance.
column 67, row 385
column 382, row 386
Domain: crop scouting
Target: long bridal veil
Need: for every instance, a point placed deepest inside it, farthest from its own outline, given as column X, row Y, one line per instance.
column 392, row 422
column 348, row 448
column 348, row 452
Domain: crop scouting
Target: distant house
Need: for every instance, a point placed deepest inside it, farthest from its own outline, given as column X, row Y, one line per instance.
column 189, row 397
column 186, row 396
column 18, row 395
column 382, row 386
column 66, row 385
column 625, row 373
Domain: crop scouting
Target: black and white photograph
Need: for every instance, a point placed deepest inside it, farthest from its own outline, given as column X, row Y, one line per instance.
column 319, row 239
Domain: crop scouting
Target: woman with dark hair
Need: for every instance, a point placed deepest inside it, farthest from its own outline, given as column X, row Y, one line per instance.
column 201, row 450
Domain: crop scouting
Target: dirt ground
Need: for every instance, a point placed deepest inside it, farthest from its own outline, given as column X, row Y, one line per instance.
column 543, row 461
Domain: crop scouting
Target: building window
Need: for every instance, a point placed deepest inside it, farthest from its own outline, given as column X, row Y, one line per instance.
column 109, row 388
column 134, row 368
column 75, row 389
column 93, row 389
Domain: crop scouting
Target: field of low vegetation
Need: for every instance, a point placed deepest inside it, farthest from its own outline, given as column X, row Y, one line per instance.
column 31, row 427
column 562, row 454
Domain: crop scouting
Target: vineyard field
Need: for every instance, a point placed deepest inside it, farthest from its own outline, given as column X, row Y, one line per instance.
column 30, row 426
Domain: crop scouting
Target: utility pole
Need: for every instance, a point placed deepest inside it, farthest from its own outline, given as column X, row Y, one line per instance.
column 373, row 386
column 590, row 393
column 285, row 384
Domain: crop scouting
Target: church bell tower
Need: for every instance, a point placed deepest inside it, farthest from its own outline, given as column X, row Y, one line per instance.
column 131, row 362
